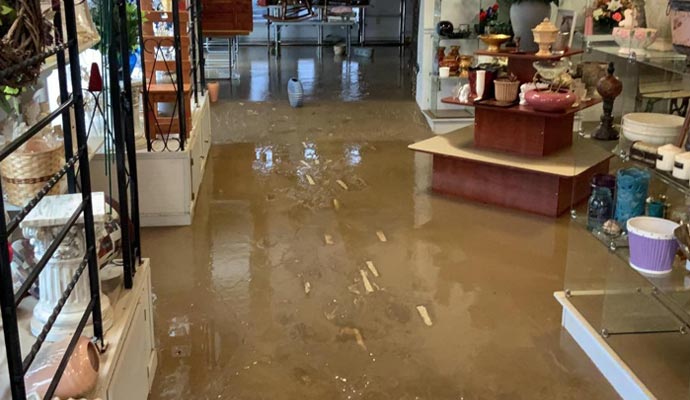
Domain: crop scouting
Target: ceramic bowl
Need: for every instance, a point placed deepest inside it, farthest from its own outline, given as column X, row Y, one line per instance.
column 494, row 41
column 652, row 128
column 634, row 40
column 548, row 101
column 551, row 69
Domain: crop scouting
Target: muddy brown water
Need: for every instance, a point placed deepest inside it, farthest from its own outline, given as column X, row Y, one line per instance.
column 234, row 320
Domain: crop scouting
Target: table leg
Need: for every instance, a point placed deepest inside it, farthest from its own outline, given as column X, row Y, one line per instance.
column 268, row 36
column 234, row 58
column 348, row 40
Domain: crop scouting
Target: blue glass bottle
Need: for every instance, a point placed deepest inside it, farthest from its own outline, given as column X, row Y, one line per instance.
column 599, row 207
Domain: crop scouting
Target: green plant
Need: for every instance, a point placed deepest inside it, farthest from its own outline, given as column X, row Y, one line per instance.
column 97, row 12
column 7, row 15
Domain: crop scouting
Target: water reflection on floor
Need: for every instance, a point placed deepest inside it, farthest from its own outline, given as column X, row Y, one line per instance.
column 268, row 295
column 323, row 75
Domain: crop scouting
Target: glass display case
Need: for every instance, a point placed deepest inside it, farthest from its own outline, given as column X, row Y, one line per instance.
column 626, row 280
column 461, row 36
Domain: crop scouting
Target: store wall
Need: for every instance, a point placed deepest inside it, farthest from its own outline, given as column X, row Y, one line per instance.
column 382, row 24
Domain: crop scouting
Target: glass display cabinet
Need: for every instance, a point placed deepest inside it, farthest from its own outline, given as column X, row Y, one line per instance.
column 626, row 296
column 462, row 38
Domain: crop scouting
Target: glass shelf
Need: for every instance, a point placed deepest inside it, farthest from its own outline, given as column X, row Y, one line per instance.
column 672, row 289
column 668, row 61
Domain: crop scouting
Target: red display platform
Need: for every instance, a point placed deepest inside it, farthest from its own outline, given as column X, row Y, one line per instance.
column 546, row 185
column 521, row 129
column 515, row 156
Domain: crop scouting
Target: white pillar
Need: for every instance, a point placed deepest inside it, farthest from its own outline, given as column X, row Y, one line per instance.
column 41, row 227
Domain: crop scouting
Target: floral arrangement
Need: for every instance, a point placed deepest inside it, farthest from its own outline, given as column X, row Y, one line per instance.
column 608, row 13
column 488, row 15
column 486, row 18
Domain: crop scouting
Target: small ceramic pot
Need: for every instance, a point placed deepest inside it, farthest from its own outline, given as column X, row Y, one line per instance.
column 79, row 377
column 653, row 245
column 213, row 89
column 454, row 52
column 548, row 101
column 451, row 63
column 506, row 90
column 465, row 64
column 444, row 72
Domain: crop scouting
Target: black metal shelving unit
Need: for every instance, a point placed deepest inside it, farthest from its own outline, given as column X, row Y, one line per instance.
column 9, row 300
column 67, row 49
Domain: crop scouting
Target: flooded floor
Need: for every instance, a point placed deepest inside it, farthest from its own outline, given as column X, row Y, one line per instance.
column 315, row 241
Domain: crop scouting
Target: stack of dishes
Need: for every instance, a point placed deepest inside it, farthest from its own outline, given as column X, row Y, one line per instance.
column 652, row 128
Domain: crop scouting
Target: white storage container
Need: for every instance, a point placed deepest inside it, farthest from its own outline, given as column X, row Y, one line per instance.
column 653, row 128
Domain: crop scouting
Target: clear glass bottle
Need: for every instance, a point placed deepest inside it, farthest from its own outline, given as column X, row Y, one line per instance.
column 599, row 207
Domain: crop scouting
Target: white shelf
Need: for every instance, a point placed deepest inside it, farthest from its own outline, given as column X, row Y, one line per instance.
column 115, row 336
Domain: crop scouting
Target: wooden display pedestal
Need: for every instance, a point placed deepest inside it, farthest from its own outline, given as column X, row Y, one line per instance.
column 522, row 130
column 547, row 185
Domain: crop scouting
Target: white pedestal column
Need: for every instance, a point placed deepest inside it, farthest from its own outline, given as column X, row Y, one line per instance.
column 41, row 226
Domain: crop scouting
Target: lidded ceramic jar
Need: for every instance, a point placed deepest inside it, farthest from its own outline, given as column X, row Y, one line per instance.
column 545, row 35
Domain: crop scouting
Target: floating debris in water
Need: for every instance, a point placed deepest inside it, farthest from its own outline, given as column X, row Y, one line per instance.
column 425, row 315
column 304, row 145
column 328, row 239
column 372, row 268
column 306, row 164
column 316, row 161
column 347, row 331
column 310, row 180
column 353, row 289
column 365, row 280
column 331, row 315
column 307, row 287
column 382, row 236
column 342, row 184
column 336, row 204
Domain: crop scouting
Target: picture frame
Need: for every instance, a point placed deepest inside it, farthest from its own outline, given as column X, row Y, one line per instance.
column 565, row 22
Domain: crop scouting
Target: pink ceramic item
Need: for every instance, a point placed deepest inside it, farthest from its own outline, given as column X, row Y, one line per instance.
column 634, row 40
column 80, row 375
column 549, row 101
column 680, row 27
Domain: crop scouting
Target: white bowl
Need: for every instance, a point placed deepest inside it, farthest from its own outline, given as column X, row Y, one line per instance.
column 634, row 40
column 652, row 128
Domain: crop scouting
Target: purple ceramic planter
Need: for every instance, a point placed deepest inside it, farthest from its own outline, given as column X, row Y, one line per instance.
column 652, row 244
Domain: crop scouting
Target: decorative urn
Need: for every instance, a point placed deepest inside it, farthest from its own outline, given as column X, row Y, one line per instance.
column 545, row 35
column 609, row 87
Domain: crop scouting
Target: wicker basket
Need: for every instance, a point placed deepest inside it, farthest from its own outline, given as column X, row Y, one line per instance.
column 506, row 90
column 25, row 173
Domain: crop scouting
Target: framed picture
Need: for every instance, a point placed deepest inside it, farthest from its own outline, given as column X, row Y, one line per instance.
column 565, row 22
